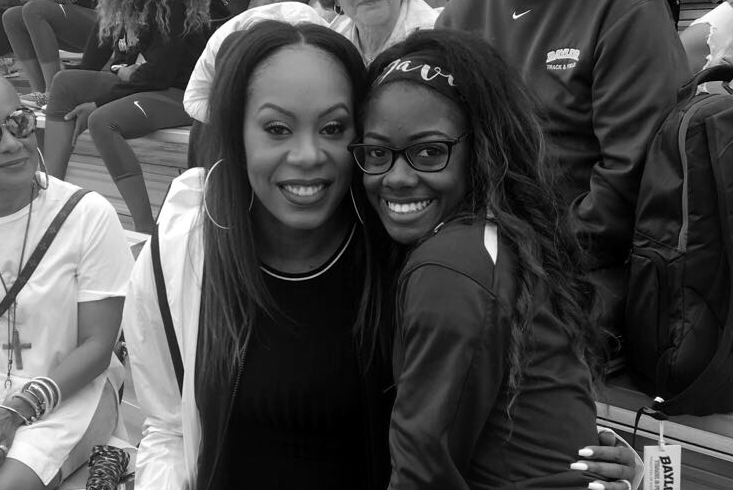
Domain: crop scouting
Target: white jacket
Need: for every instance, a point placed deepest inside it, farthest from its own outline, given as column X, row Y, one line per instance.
column 168, row 452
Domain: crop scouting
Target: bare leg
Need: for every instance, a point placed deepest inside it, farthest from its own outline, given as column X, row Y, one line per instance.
column 14, row 475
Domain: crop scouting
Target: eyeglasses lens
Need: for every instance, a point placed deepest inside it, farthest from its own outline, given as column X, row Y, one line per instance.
column 428, row 156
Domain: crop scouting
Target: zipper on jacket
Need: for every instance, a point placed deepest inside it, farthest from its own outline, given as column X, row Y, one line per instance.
column 240, row 369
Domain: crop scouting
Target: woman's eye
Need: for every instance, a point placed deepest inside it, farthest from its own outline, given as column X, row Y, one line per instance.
column 277, row 129
column 431, row 151
column 332, row 129
column 375, row 153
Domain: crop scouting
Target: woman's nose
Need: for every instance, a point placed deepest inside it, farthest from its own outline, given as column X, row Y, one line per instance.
column 401, row 174
column 306, row 151
column 8, row 142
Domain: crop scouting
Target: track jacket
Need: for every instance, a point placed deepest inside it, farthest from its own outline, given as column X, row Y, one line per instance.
column 449, row 427
column 607, row 72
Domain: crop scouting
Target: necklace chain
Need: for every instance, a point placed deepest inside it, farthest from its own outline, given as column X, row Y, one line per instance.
column 11, row 321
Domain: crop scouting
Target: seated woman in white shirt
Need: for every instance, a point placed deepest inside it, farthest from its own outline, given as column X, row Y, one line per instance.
column 60, row 377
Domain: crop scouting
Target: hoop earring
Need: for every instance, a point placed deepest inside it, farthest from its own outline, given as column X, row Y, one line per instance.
column 337, row 8
column 356, row 208
column 41, row 179
column 206, row 188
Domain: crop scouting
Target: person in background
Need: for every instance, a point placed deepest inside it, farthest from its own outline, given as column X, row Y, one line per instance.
column 7, row 63
column 606, row 72
column 60, row 376
column 37, row 30
column 156, row 45
column 494, row 350
column 375, row 25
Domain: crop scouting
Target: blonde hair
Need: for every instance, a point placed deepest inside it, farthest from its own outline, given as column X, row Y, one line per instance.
column 116, row 16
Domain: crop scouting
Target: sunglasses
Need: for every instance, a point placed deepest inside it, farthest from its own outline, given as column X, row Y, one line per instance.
column 21, row 123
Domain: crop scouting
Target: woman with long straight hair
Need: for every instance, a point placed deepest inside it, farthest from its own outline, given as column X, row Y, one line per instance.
column 272, row 285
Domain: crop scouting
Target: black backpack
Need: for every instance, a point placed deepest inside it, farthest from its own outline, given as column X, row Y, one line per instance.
column 679, row 320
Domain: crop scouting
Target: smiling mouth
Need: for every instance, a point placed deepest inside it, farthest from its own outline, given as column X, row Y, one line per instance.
column 13, row 163
column 303, row 190
column 407, row 207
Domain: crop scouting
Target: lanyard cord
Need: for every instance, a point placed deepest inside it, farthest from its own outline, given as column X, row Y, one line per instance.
column 11, row 323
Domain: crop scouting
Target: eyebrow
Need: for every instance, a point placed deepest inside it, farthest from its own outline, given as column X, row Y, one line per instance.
column 270, row 105
column 413, row 137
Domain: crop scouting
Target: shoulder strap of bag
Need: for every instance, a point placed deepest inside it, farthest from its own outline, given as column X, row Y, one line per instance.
column 165, row 312
column 41, row 249
column 717, row 377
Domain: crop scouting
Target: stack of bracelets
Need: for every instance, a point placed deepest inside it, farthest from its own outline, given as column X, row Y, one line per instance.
column 42, row 394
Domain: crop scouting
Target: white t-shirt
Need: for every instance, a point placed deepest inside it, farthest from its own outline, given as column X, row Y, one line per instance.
column 89, row 260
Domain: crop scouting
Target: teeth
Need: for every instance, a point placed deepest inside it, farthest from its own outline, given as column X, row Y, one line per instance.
column 304, row 190
column 406, row 208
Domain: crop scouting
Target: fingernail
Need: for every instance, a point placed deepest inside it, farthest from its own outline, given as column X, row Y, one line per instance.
column 594, row 485
column 579, row 466
column 585, row 452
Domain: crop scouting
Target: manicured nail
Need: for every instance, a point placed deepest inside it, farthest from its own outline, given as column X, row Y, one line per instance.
column 585, row 452
column 594, row 485
column 579, row 466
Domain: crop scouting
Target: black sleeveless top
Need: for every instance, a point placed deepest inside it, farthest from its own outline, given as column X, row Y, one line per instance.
column 297, row 421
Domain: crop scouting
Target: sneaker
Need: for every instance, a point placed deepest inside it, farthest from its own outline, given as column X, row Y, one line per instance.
column 34, row 100
column 8, row 69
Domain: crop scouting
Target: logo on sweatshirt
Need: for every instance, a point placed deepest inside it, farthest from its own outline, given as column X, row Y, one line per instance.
column 562, row 59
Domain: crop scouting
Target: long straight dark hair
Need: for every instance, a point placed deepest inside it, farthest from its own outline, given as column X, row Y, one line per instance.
column 510, row 176
column 233, row 289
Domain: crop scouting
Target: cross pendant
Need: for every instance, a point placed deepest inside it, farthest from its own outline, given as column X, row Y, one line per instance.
column 17, row 347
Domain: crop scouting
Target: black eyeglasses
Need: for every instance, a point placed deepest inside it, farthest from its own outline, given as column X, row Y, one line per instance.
column 21, row 123
column 426, row 156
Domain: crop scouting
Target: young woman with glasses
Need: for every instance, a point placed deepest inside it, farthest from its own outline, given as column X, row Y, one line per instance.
column 494, row 351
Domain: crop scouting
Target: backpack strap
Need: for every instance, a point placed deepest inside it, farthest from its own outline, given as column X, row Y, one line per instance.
column 43, row 245
column 165, row 311
column 717, row 377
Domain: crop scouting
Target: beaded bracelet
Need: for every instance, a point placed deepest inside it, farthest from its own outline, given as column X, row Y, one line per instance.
column 36, row 408
column 12, row 410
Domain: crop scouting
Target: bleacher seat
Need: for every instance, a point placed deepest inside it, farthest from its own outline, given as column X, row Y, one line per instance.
column 707, row 442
